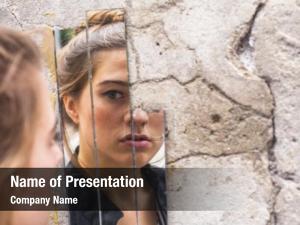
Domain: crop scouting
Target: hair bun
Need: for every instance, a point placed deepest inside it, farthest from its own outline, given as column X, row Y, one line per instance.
column 102, row 18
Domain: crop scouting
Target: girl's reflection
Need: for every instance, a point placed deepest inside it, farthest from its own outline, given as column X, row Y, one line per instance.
column 115, row 137
column 112, row 116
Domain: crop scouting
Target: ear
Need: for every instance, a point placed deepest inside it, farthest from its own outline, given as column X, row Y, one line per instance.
column 71, row 108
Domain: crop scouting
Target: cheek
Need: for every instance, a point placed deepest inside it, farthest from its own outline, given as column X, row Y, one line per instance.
column 156, row 146
column 157, row 130
column 103, row 118
column 156, row 125
column 39, row 152
column 43, row 153
column 84, row 114
column 107, row 118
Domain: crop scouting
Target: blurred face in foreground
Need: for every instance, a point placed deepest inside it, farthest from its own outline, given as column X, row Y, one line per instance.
column 44, row 152
column 27, row 118
column 38, row 147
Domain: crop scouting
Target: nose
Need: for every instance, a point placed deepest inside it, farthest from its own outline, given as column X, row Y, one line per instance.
column 139, row 118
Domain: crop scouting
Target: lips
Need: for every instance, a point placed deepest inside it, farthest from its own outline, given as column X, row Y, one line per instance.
column 136, row 140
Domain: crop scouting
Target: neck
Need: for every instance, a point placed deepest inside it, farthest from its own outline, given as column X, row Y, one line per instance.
column 87, row 158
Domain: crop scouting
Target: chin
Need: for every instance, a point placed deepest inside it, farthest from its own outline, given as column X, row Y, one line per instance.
column 142, row 160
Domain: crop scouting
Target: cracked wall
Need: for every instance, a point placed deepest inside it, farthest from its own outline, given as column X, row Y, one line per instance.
column 226, row 72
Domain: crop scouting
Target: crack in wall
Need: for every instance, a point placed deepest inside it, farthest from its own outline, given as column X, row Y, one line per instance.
column 273, row 215
column 168, row 38
column 241, row 45
column 145, row 26
column 169, row 77
column 244, row 38
column 209, row 85
column 272, row 167
column 195, row 154
column 242, row 106
column 15, row 16
column 130, row 39
column 244, row 42
column 240, row 48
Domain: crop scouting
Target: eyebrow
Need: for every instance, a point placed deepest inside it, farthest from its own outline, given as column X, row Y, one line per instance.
column 119, row 82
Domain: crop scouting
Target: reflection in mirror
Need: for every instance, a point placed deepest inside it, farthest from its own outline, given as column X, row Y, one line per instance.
column 147, row 137
column 100, row 128
column 107, row 38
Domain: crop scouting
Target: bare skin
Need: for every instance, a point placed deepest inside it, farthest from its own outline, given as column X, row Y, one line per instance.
column 44, row 152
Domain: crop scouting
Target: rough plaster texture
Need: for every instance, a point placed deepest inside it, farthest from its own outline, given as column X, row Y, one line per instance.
column 226, row 72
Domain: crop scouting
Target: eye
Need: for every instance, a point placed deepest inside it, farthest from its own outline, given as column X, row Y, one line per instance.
column 113, row 94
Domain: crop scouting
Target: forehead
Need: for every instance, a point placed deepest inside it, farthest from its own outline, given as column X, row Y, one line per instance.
column 110, row 64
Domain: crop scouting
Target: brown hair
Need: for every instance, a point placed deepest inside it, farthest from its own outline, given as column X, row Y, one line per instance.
column 106, row 29
column 18, row 105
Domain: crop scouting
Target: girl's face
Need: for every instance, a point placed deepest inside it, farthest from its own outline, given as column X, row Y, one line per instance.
column 112, row 117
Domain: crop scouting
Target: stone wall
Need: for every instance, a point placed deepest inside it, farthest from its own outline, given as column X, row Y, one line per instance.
column 226, row 73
